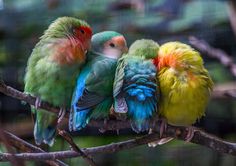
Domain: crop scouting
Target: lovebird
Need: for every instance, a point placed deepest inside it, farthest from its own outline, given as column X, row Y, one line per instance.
column 92, row 97
column 185, row 85
column 52, row 69
column 136, row 87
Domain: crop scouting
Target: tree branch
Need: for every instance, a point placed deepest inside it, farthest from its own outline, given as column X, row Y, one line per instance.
column 27, row 147
column 13, row 160
column 222, row 56
column 68, row 138
column 200, row 137
column 112, row 125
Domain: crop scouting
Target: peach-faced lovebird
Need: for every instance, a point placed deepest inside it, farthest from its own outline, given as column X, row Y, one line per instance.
column 185, row 85
column 136, row 89
column 52, row 68
column 92, row 97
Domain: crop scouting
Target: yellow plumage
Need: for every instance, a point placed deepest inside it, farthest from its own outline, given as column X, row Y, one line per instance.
column 184, row 83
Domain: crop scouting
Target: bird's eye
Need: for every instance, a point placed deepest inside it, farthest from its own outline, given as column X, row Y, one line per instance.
column 112, row 45
column 82, row 31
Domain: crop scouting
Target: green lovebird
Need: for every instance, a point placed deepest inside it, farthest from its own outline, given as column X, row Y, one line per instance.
column 92, row 97
column 52, row 69
column 136, row 88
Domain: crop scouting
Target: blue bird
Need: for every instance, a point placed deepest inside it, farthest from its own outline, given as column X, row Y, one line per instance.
column 135, row 89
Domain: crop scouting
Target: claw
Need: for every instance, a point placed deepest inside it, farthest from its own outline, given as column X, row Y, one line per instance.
column 190, row 133
column 118, row 132
column 105, row 122
column 160, row 141
column 102, row 130
column 37, row 103
column 163, row 127
column 61, row 115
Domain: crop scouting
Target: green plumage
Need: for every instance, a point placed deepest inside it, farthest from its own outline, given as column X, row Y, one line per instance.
column 49, row 80
column 92, row 97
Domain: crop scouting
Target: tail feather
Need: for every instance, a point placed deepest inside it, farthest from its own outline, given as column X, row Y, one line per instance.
column 45, row 128
column 78, row 118
column 140, row 114
column 120, row 105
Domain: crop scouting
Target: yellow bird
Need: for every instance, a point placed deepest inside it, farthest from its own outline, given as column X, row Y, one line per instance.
column 185, row 85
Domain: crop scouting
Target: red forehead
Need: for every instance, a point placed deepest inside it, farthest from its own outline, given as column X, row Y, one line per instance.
column 87, row 30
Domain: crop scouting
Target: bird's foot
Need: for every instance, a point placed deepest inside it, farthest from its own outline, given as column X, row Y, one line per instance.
column 117, row 131
column 160, row 141
column 37, row 103
column 105, row 121
column 103, row 130
column 61, row 115
column 190, row 134
column 163, row 127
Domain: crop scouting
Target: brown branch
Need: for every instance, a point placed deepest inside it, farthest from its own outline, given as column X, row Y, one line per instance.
column 9, row 91
column 113, row 125
column 24, row 146
column 222, row 56
column 200, row 137
column 68, row 138
column 232, row 14
column 13, row 160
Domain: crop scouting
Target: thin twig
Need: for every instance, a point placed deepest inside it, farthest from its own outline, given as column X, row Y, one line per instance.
column 13, row 160
column 222, row 56
column 200, row 137
column 9, row 91
column 68, row 138
column 24, row 146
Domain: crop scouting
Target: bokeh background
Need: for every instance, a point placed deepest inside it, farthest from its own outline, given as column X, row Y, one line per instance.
column 22, row 22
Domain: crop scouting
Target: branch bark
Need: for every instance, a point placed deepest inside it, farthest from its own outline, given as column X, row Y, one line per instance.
column 218, row 54
column 68, row 138
column 113, row 125
column 200, row 137
column 24, row 146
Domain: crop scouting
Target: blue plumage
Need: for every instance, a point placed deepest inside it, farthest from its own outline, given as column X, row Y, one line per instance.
column 139, row 91
column 78, row 116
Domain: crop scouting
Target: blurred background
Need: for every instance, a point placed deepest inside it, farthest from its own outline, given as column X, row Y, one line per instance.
column 22, row 22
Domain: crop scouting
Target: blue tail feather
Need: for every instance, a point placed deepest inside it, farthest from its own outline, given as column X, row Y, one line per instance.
column 44, row 133
column 80, row 118
column 140, row 114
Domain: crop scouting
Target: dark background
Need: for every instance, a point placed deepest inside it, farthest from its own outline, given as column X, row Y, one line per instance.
column 22, row 22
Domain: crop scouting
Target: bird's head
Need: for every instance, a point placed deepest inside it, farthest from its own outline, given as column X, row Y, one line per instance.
column 144, row 48
column 178, row 56
column 71, row 37
column 109, row 43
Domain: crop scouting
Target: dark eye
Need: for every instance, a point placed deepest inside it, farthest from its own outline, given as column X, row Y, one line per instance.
column 82, row 31
column 112, row 45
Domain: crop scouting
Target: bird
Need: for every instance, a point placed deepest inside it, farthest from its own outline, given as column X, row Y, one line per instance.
column 52, row 69
column 185, row 85
column 136, row 87
column 92, row 97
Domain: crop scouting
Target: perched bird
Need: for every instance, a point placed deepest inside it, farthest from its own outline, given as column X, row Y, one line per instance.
column 185, row 85
column 92, row 97
column 52, row 68
column 136, row 90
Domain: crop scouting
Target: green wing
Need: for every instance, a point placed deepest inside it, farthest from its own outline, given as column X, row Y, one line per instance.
column 99, row 83
column 120, row 103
